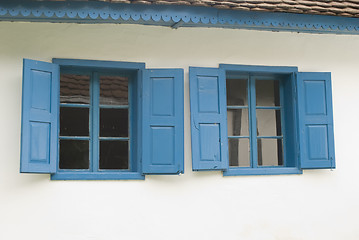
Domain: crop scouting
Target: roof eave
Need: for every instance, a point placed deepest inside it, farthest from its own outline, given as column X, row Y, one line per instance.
column 174, row 16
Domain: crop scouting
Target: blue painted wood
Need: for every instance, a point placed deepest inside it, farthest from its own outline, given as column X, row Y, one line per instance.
column 162, row 93
column 208, row 119
column 40, row 99
column 162, row 129
column 273, row 107
column 262, row 171
column 282, row 120
column 253, row 121
column 238, row 136
column 162, row 145
column 208, row 97
column 94, row 64
column 74, row 105
column 132, row 106
column 245, row 69
column 210, row 147
column 74, row 138
column 114, row 138
column 136, row 141
column 134, row 73
column 173, row 16
column 288, row 117
column 105, row 175
column 269, row 137
column 115, row 107
column 315, row 117
column 94, row 122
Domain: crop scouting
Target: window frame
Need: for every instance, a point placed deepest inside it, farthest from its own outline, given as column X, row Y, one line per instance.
column 136, row 72
column 290, row 73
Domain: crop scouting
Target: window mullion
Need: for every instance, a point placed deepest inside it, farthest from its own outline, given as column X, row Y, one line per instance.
column 253, row 121
column 95, row 121
column 282, row 114
column 132, row 164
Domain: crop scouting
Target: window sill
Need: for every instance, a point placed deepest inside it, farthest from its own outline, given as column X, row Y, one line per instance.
column 262, row 171
column 97, row 176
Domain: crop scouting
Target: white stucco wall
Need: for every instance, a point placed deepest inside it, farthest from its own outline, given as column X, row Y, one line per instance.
column 319, row 204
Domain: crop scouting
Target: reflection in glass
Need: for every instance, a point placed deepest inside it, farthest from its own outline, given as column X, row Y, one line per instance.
column 237, row 122
column 113, row 90
column 74, row 121
column 239, row 152
column 268, row 122
column 74, row 88
column 74, row 154
column 113, row 122
column 270, row 152
column 237, row 92
column 113, row 154
column 267, row 93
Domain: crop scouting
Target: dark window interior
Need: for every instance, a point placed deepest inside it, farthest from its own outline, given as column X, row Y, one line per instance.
column 94, row 117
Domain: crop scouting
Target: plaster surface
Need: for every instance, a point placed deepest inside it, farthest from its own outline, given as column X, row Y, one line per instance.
column 319, row 204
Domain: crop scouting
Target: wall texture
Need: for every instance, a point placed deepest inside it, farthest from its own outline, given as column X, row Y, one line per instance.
column 319, row 204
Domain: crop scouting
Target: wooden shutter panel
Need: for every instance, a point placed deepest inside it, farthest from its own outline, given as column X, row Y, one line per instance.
column 40, row 99
column 208, row 119
column 315, row 116
column 162, row 113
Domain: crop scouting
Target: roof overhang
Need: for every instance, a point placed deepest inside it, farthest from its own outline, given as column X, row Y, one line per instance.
column 173, row 16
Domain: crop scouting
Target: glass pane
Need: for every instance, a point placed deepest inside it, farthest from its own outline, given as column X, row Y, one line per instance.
column 113, row 154
column 237, row 92
column 113, row 122
column 267, row 92
column 268, row 122
column 74, row 154
column 270, row 152
column 239, row 152
column 237, row 122
column 74, row 121
column 74, row 88
column 113, row 90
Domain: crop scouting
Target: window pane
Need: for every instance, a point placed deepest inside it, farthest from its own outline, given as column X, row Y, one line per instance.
column 74, row 154
column 267, row 92
column 113, row 154
column 237, row 92
column 74, row 121
column 268, row 122
column 237, row 122
column 270, row 152
column 239, row 152
column 113, row 122
column 74, row 88
column 113, row 90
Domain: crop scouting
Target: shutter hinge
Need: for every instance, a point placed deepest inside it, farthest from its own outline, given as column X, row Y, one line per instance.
column 298, row 156
column 179, row 170
column 195, row 123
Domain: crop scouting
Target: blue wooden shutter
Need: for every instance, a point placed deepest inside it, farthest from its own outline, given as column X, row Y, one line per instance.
column 162, row 129
column 208, row 119
column 39, row 133
column 315, row 116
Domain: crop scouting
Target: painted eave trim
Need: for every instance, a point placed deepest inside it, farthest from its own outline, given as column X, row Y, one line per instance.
column 174, row 16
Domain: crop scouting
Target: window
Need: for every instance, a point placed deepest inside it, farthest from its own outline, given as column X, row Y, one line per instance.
column 258, row 134
column 86, row 119
column 250, row 120
column 96, row 115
